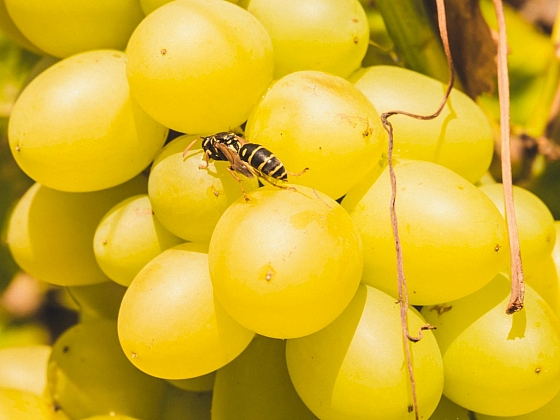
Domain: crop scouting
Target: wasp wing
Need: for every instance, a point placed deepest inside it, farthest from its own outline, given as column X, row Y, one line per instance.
column 235, row 161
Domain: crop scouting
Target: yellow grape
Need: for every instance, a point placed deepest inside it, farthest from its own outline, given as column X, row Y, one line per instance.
column 111, row 417
column 535, row 224
column 303, row 40
column 256, row 385
column 170, row 324
column 9, row 28
column 316, row 120
column 286, row 263
column 64, row 27
column 543, row 277
column 17, row 404
column 204, row 383
column 199, row 66
column 50, row 233
column 495, row 363
column 356, row 369
column 128, row 237
column 75, row 127
column 148, row 6
column 187, row 200
column 89, row 375
column 460, row 138
column 547, row 412
column 452, row 236
column 24, row 368
column 100, row 300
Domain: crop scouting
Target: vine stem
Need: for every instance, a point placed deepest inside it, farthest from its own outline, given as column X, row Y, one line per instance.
column 402, row 288
column 517, row 284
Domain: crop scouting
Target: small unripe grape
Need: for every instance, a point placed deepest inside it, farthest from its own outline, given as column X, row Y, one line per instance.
column 285, row 263
column 495, row 363
column 315, row 120
column 325, row 35
column 50, row 233
column 75, row 127
column 356, row 368
column 199, row 66
column 452, row 236
column 187, row 200
column 460, row 138
column 170, row 324
column 64, row 27
column 128, row 237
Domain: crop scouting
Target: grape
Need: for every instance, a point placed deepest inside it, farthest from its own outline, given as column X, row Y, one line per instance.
column 89, row 375
column 24, row 368
column 494, row 363
column 452, row 236
column 50, row 233
column 184, row 405
column 286, row 263
column 542, row 276
column 535, row 224
column 204, row 383
column 199, row 66
column 257, row 385
column 148, row 6
column 111, row 417
column 303, row 40
column 187, row 200
column 170, row 324
column 315, row 120
column 448, row 410
column 9, row 28
column 546, row 412
column 75, row 128
column 16, row 404
column 128, row 237
column 63, row 27
column 100, row 300
column 460, row 138
column 356, row 368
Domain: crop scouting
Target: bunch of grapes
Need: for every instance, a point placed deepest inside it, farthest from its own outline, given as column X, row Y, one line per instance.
column 208, row 287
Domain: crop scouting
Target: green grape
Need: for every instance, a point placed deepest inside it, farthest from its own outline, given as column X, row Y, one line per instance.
column 128, row 237
column 256, row 385
column 50, row 233
column 187, row 200
column 170, row 324
column 111, row 417
column 204, row 383
column 24, row 368
column 460, row 138
column 330, row 36
column 185, row 405
column 494, row 363
column 88, row 375
column 26, row 334
column 547, row 412
column 148, row 6
column 100, row 300
column 535, row 224
column 355, row 368
column 448, row 410
column 16, row 404
column 75, row 127
column 542, row 276
column 286, row 263
column 315, row 120
column 9, row 28
column 452, row 236
column 199, row 66
column 64, row 27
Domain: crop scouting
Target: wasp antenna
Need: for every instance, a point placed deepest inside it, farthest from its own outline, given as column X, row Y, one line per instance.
column 189, row 146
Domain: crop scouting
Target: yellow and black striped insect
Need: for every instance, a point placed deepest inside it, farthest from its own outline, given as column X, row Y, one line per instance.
column 226, row 139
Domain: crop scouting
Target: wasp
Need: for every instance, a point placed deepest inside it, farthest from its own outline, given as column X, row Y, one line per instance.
column 249, row 159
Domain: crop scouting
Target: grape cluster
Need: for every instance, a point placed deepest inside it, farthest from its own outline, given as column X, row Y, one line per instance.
column 197, row 302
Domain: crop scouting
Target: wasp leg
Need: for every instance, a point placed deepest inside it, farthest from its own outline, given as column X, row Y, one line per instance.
column 206, row 159
column 263, row 177
column 189, row 147
column 297, row 174
column 232, row 172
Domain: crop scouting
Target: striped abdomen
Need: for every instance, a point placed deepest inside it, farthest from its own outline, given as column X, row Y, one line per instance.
column 263, row 160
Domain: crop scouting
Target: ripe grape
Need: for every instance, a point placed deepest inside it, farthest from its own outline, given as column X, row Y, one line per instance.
column 257, row 385
column 63, row 27
column 355, row 368
column 9, row 28
column 24, row 368
column 302, row 39
column 316, row 120
column 460, row 138
column 170, row 324
column 286, row 263
column 75, row 127
column 199, row 66
column 452, row 235
column 495, row 363
column 128, row 237
column 50, row 233
column 187, row 200
column 16, row 404
column 547, row 412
